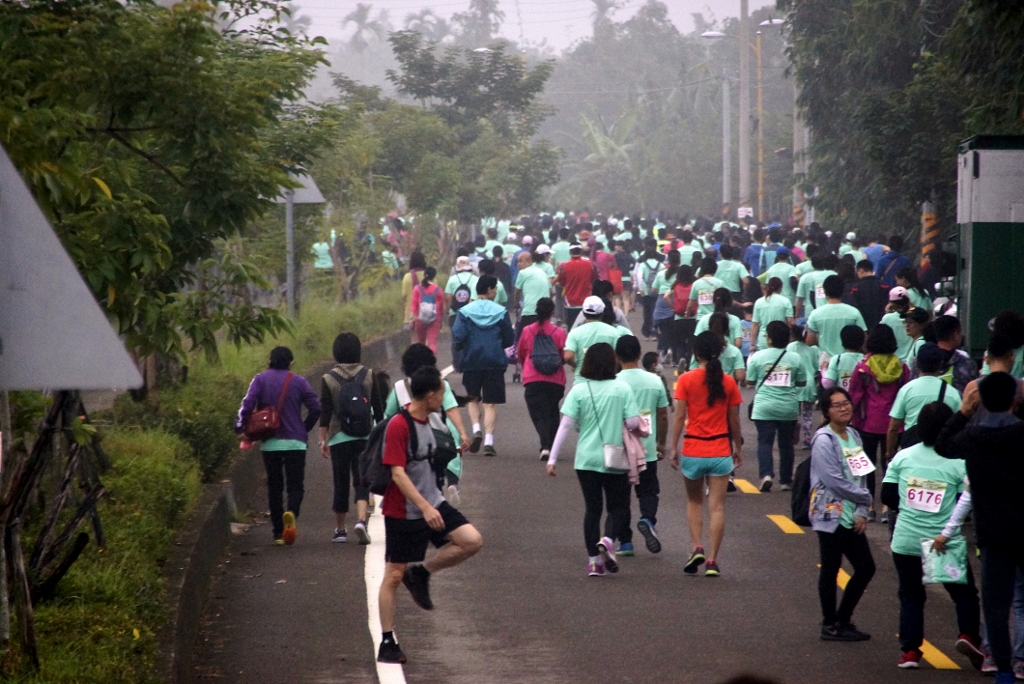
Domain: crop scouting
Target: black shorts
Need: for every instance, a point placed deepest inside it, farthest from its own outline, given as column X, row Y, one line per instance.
column 627, row 285
column 406, row 541
column 487, row 386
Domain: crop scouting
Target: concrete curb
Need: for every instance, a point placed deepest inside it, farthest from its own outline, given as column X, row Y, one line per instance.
column 190, row 564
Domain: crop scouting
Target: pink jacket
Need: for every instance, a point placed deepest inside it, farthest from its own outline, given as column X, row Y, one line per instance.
column 872, row 400
column 525, row 347
column 632, row 440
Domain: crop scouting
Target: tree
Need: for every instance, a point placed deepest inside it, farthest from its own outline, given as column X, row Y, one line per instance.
column 603, row 10
column 365, row 26
column 480, row 24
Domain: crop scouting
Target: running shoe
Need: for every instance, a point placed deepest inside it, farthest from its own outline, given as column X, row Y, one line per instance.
column 340, row 536
column 872, row 516
column 850, row 630
column 453, row 495
column 766, row 484
column 968, row 647
column 596, row 569
column 646, row 528
column 909, row 660
column 544, row 454
column 625, row 549
column 785, row 487
column 489, row 450
column 607, row 551
column 290, row 532
column 362, row 536
column 696, row 560
column 1018, row 669
column 731, row 487
column 390, row 652
column 280, row 542
column 988, row 666
column 837, row 632
column 417, row 580
column 711, row 569
column 885, row 518
column 478, row 439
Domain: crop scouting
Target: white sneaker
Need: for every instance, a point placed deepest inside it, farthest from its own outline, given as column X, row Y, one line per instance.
column 766, row 484
column 362, row 535
column 453, row 495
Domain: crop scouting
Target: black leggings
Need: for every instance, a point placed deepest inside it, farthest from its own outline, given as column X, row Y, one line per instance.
column 282, row 467
column 542, row 402
column 602, row 490
column 833, row 546
column 913, row 595
column 648, row 491
column 345, row 469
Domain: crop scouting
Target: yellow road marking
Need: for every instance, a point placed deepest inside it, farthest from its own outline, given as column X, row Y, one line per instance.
column 936, row 658
column 746, row 487
column 785, row 524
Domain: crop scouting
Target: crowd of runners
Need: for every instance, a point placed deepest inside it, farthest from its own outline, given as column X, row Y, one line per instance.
column 836, row 334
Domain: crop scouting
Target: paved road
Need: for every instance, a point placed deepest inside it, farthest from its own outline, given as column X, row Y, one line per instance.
column 525, row 611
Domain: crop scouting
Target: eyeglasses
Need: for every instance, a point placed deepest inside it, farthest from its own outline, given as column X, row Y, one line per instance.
column 840, row 405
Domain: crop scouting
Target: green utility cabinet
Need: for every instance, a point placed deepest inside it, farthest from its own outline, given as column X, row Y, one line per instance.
column 990, row 215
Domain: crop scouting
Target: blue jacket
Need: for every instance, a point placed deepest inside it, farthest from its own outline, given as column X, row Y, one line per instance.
column 887, row 270
column 752, row 259
column 481, row 333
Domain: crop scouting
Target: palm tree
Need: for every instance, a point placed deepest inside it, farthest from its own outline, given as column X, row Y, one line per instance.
column 433, row 28
column 294, row 23
column 365, row 26
column 603, row 9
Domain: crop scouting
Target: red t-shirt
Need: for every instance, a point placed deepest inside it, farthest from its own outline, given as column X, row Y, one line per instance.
column 708, row 422
column 396, row 453
column 576, row 278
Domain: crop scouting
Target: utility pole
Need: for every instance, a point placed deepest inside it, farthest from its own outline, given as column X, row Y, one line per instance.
column 289, row 223
column 744, row 40
column 760, row 134
column 726, row 147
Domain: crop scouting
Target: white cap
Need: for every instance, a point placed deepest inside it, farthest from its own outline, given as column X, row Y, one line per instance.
column 462, row 264
column 897, row 293
column 527, row 240
column 543, row 249
column 851, row 236
column 593, row 306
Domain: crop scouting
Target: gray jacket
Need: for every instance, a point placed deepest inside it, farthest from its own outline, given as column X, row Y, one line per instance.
column 829, row 486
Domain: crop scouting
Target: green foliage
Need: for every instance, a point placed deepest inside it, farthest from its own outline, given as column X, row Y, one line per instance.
column 147, row 135
column 917, row 78
column 88, row 632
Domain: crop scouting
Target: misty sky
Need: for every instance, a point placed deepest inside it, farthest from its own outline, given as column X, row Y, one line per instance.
column 561, row 22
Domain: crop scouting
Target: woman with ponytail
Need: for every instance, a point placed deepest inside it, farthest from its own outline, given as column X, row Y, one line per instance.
column 663, row 314
column 722, row 299
column 774, row 306
column 708, row 408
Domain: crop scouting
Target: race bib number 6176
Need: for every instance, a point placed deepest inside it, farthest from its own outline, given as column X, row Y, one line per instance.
column 925, row 495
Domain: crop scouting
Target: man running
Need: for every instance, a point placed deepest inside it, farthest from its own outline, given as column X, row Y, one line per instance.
column 415, row 512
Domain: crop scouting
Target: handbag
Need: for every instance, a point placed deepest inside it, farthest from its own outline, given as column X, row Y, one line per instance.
column 615, row 457
column 750, row 406
column 263, row 424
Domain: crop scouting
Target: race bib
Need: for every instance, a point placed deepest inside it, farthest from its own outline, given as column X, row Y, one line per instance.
column 779, row 378
column 746, row 334
column 819, row 295
column 858, row 462
column 925, row 495
column 706, row 298
column 844, row 381
column 645, row 421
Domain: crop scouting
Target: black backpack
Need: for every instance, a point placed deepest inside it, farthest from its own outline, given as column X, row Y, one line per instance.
column 462, row 296
column 374, row 474
column 800, row 504
column 545, row 355
column 353, row 407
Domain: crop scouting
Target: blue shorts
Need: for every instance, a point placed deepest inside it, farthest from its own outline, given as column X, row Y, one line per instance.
column 695, row 468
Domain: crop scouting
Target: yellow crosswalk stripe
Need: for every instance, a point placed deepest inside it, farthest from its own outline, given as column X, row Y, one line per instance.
column 746, row 487
column 785, row 524
column 936, row 658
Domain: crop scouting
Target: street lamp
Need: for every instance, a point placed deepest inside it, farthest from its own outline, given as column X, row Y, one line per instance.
column 745, row 114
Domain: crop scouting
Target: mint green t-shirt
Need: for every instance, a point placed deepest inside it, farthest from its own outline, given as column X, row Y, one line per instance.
column 850, row 448
column 581, row 338
column 686, row 253
column 936, row 482
column 703, row 292
column 783, row 271
column 829, row 320
column 921, row 301
column 662, row 285
column 840, row 368
column 534, row 284
column 599, row 408
column 646, row 268
column 912, row 354
column 735, row 328
column 547, row 268
column 500, row 296
column 732, row 273
column 731, row 358
column 767, row 309
column 812, row 282
column 1017, row 370
column 903, row 340
column 778, row 397
column 650, row 396
column 489, row 248
column 913, row 397
column 560, row 252
column 804, row 267
column 283, row 445
column 809, row 354
column 448, row 402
